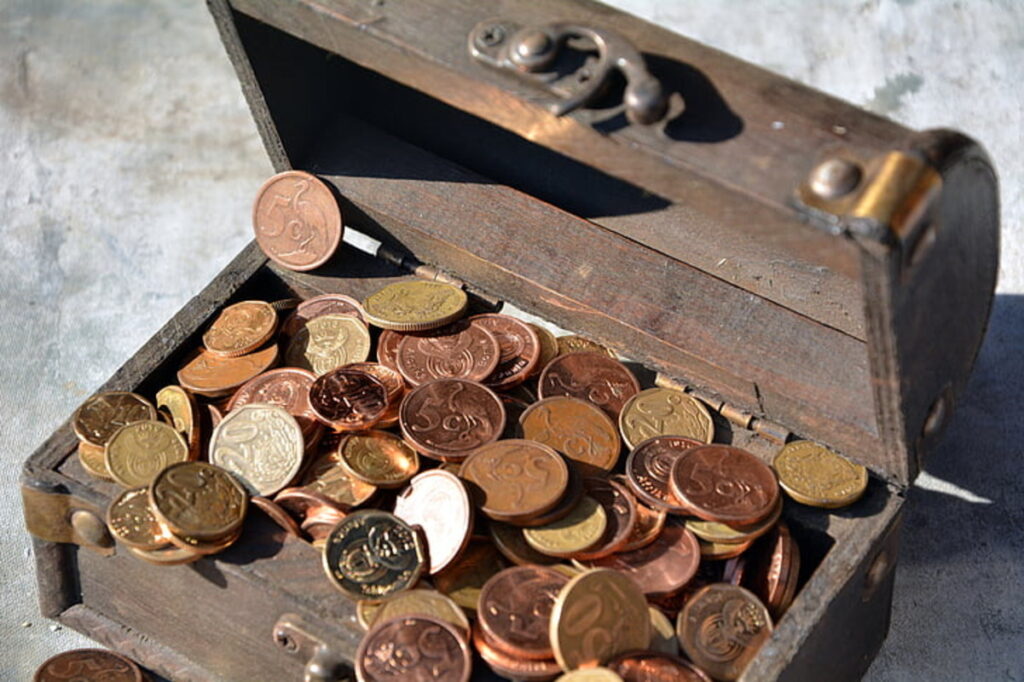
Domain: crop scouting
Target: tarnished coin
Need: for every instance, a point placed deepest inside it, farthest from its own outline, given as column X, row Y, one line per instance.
column 519, row 349
column 415, row 305
column 725, row 484
column 96, row 420
column 180, row 404
column 466, row 576
column 413, row 649
column 348, row 399
column 286, row 387
column 663, row 567
column 620, row 510
column 198, row 500
column 712, row 531
column 652, row 666
column 83, row 665
column 515, row 610
column 598, row 615
column 93, row 460
column 420, row 603
column 378, row 458
column 664, row 412
column 579, row 430
column 139, row 451
column 166, row 556
column 449, row 418
column 132, row 522
column 372, row 554
column 814, row 475
column 327, row 476
column 214, row 376
column 548, row 347
column 722, row 627
column 515, row 479
column 297, row 220
column 573, row 343
column 241, row 328
column 325, row 304
column 387, row 348
column 456, row 351
column 260, row 444
column 590, row 376
column 510, row 542
column 512, row 667
column 437, row 502
column 328, row 342
column 592, row 674
column 649, row 470
column 579, row 531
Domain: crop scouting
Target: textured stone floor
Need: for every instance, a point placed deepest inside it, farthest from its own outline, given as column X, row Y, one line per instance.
column 128, row 162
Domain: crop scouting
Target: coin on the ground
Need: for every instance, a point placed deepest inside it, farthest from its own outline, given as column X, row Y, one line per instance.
column 82, row 665
column 348, row 399
column 649, row 470
column 548, row 347
column 140, row 450
column 379, row 458
column 515, row 610
column 437, row 502
column 447, row 419
column 652, row 666
column 456, row 351
column 241, row 328
column 413, row 648
column 327, row 476
column 712, row 531
column 573, row 343
column 814, row 475
column 198, row 500
column 515, row 479
column 131, row 521
column 590, row 376
column 725, row 484
column 722, row 627
column 663, row 567
column 598, row 615
column 664, row 412
column 93, row 460
column 297, row 220
column 466, row 576
column 261, row 444
column 510, row 542
column 420, row 602
column 372, row 554
column 96, row 420
column 415, row 305
column 579, row 430
column 325, row 304
column 577, row 532
column 620, row 510
column 286, row 387
column 328, row 342
column 214, row 376
column 512, row 667
column 519, row 349
column 180, row 404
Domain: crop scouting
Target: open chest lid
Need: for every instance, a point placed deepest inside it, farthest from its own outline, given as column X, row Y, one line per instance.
column 792, row 258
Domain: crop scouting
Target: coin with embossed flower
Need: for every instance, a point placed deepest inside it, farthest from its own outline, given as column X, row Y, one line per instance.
column 260, row 444
column 241, row 328
column 139, row 451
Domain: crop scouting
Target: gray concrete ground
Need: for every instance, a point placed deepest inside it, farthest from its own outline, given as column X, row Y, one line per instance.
column 128, row 162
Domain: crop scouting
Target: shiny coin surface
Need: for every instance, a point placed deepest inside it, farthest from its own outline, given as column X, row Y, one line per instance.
column 579, row 430
column 595, row 674
column 131, row 521
column 93, row 460
column 387, row 348
column 598, row 615
column 573, row 344
column 456, row 351
column 519, row 349
column 515, row 479
column 413, row 649
column 180, row 404
column 548, row 347
column 712, row 531
column 378, row 458
column 348, row 399
column 203, row 547
column 649, row 470
column 420, row 602
column 594, row 377
column 467, row 575
column 297, row 220
column 776, row 570
column 449, row 418
column 327, row 476
column 325, row 304
column 512, row 667
column 88, row 665
column 328, row 342
column 372, row 554
column 437, row 502
column 261, row 444
column 722, row 627
column 286, row 387
column 214, row 376
column 663, row 567
column 166, row 556
column 515, row 610
column 580, row 530
column 198, row 500
column 720, row 551
column 664, row 412
column 651, row 666
column 725, row 484
column 415, row 305
column 814, row 475
column 96, row 420
column 620, row 510
column 139, row 451
column 648, row 526
column 241, row 328
column 394, row 384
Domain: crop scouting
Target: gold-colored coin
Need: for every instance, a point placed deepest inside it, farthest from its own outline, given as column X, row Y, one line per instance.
column 580, row 530
column 327, row 476
column 711, row 531
column 132, row 522
column 328, row 342
column 166, row 556
column 573, row 343
column 181, row 406
column 720, row 551
column 261, row 444
column 548, row 347
column 463, row 580
column 814, row 475
column 664, row 412
column 415, row 305
column 199, row 501
column 203, row 547
column 378, row 458
column 241, row 328
column 597, row 615
column 96, row 420
column 597, row 674
column 139, row 451
column 366, row 610
column 663, row 634
column 422, row 603
column 93, row 460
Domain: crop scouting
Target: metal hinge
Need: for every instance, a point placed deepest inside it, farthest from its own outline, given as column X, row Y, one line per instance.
column 734, row 415
column 432, row 273
column 293, row 634
column 61, row 517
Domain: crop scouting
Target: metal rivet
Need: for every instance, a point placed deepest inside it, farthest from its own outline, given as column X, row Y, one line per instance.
column 91, row 530
column 534, row 44
column 491, row 36
column 834, row 178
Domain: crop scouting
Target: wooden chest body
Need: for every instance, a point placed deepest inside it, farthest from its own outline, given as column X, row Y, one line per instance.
column 688, row 246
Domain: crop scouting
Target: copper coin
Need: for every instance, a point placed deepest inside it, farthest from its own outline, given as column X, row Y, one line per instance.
column 437, row 502
column 651, row 666
column 319, row 523
column 513, row 546
column 514, row 409
column 662, row 567
column 302, row 501
column 720, row 551
column 579, row 430
column 413, row 649
column 649, row 470
column 277, row 514
column 387, row 347
column 776, row 570
column 214, row 376
column 573, row 343
column 511, row 667
column 449, row 418
column 649, row 523
column 457, row 351
column 513, row 479
column 241, row 328
column 548, row 347
column 721, row 629
column 287, row 387
column 329, row 477
column 725, row 484
column 96, row 420
column 297, row 220
column 515, row 610
column 82, row 665
column 325, row 304
column 518, row 345
column 371, row 554
column 590, row 376
column 393, row 382
column 348, row 399
column 620, row 511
